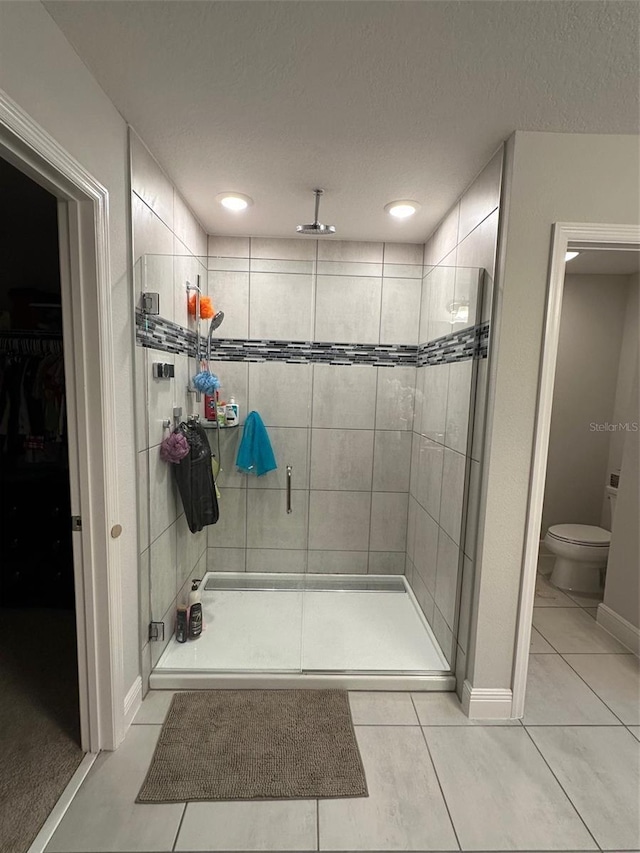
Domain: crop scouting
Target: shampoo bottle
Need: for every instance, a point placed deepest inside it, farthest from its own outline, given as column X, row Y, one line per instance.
column 182, row 624
column 195, row 611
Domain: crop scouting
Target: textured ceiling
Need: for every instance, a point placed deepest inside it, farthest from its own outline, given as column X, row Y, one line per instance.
column 371, row 100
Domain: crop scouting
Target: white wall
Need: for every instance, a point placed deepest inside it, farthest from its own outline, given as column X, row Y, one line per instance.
column 591, row 326
column 627, row 374
column 40, row 70
column 550, row 178
column 622, row 585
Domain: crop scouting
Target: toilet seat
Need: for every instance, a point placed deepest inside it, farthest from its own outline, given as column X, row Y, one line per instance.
column 581, row 534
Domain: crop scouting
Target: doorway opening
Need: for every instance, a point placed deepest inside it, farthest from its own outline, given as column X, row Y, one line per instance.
column 576, row 538
column 39, row 704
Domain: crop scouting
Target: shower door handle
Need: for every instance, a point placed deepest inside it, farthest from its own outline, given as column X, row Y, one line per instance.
column 289, row 510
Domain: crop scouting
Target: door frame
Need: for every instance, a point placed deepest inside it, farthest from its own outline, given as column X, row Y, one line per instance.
column 83, row 214
column 565, row 235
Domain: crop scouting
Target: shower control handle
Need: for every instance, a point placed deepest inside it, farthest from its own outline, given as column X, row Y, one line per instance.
column 289, row 469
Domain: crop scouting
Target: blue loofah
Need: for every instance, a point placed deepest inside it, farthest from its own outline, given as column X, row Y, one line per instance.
column 206, row 382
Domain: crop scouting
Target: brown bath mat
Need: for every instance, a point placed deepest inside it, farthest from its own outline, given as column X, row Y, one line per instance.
column 256, row 745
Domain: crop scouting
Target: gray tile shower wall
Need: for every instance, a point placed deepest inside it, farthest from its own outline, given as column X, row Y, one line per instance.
column 168, row 248
column 322, row 341
column 449, row 415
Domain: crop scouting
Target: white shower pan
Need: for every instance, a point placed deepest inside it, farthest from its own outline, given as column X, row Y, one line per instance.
column 305, row 630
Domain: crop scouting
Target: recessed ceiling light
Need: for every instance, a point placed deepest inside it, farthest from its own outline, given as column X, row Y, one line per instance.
column 234, row 201
column 402, row 209
column 570, row 256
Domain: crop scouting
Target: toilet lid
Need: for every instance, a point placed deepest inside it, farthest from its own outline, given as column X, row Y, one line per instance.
column 581, row 534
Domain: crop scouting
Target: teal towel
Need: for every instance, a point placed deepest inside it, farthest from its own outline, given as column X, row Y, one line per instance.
column 255, row 454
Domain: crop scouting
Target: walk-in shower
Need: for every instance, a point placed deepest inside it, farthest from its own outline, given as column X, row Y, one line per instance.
column 345, row 565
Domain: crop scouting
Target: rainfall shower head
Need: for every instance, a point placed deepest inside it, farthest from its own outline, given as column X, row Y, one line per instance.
column 316, row 229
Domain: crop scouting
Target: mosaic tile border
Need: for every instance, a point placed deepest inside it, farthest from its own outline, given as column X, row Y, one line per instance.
column 160, row 334
column 458, row 346
column 157, row 333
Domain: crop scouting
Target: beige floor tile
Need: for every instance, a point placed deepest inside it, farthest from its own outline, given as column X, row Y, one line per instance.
column 599, row 768
column 573, row 631
column 382, row 709
column 615, row 679
column 270, row 825
column 548, row 595
column 557, row 696
column 104, row 815
column 500, row 793
column 539, row 646
column 404, row 810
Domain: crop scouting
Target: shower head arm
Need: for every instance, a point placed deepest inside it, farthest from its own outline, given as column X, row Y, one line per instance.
column 318, row 193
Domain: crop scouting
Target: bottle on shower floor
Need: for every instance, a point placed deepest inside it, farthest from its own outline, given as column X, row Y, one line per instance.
column 195, row 611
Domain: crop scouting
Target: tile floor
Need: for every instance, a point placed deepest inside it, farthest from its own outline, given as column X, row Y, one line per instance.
column 565, row 778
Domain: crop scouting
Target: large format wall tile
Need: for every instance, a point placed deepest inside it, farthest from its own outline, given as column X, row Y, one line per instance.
column 268, row 523
column 429, row 475
column 481, row 198
column 434, row 401
column 281, row 393
column 404, row 253
column 228, row 247
column 400, row 316
column 290, row 446
column 343, row 397
column 341, row 459
column 276, row 560
column 426, row 549
column 339, row 521
column 453, row 482
column 348, row 309
column 229, row 292
column 458, row 404
column 350, row 250
column 338, row 562
column 149, row 181
column 447, row 577
column 230, row 530
column 281, row 307
column 389, row 521
column 286, row 250
column 163, row 495
column 162, row 573
column 153, row 246
column 394, row 398
column 391, row 461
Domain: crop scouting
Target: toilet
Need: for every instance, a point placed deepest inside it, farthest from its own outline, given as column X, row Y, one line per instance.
column 581, row 552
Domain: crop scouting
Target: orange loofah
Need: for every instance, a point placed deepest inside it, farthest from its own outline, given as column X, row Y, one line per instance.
column 192, row 304
column 206, row 308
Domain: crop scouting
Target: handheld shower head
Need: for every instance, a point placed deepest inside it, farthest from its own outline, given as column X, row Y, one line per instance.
column 316, row 229
column 216, row 322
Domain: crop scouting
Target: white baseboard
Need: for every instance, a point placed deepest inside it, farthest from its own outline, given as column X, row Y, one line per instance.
column 132, row 702
column 486, row 703
column 622, row 630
